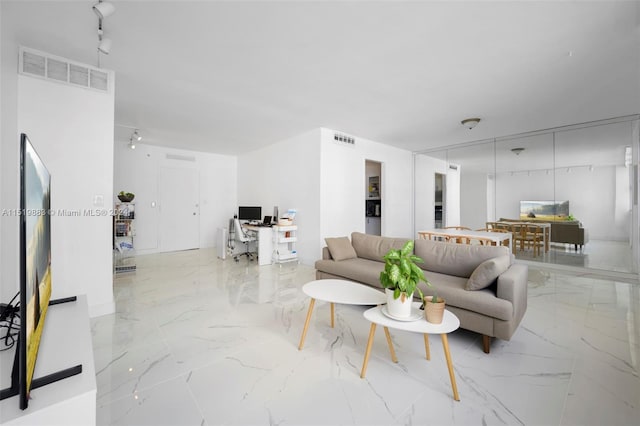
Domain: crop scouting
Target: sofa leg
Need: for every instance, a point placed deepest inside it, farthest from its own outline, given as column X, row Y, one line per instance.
column 486, row 343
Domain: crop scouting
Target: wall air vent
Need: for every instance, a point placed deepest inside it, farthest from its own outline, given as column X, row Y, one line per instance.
column 344, row 139
column 181, row 157
column 42, row 65
column 453, row 167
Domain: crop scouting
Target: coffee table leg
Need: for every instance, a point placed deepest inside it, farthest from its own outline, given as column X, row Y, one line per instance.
column 393, row 352
column 445, row 345
column 427, row 351
column 333, row 312
column 306, row 323
column 372, row 332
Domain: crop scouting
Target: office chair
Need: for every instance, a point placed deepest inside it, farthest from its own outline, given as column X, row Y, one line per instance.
column 245, row 238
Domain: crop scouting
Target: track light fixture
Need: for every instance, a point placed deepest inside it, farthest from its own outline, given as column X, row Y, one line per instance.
column 103, row 9
column 135, row 137
column 104, row 45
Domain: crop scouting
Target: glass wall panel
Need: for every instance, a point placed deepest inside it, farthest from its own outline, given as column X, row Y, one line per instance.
column 592, row 175
column 578, row 182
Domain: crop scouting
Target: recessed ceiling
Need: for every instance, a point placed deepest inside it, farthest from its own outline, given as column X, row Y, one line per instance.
column 230, row 77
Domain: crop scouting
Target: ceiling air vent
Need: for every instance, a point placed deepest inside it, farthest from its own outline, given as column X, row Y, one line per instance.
column 339, row 137
column 42, row 65
column 181, row 157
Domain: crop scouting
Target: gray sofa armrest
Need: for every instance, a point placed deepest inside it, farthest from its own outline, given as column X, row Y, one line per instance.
column 512, row 286
column 325, row 254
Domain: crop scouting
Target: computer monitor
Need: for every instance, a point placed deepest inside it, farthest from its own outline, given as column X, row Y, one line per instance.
column 250, row 213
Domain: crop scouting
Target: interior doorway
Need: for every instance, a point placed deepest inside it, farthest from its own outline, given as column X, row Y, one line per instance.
column 373, row 197
column 179, row 210
column 439, row 200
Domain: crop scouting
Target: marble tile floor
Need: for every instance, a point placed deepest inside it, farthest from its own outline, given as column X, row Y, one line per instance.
column 201, row 341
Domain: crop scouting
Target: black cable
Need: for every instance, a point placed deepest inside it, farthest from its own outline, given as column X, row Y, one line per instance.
column 10, row 321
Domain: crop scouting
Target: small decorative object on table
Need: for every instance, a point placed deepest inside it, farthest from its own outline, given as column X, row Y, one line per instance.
column 434, row 309
column 125, row 197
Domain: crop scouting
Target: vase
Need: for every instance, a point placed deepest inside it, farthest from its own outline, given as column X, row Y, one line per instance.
column 434, row 312
column 400, row 307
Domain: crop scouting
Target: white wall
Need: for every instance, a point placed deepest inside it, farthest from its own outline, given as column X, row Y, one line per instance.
column 9, row 159
column 591, row 195
column 286, row 174
column 474, row 199
column 452, row 197
column 342, row 178
column 71, row 128
column 137, row 171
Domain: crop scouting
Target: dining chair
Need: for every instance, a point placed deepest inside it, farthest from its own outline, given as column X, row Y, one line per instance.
column 459, row 240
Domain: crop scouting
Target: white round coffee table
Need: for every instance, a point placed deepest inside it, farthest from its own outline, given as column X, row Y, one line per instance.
column 338, row 291
column 449, row 323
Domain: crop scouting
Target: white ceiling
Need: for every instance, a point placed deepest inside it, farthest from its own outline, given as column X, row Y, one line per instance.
column 230, row 77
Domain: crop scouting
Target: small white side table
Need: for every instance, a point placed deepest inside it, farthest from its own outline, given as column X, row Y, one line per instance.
column 338, row 291
column 449, row 323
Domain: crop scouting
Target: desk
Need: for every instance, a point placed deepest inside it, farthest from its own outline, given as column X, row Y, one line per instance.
column 496, row 238
column 265, row 242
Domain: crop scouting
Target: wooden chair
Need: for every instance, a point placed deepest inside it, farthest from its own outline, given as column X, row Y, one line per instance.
column 518, row 231
column 459, row 240
column 534, row 237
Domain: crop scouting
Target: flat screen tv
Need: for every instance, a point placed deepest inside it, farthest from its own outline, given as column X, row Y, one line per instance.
column 544, row 210
column 35, row 260
column 250, row 213
column 35, row 276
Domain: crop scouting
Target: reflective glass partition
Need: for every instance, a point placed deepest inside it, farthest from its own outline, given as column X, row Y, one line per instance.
column 576, row 184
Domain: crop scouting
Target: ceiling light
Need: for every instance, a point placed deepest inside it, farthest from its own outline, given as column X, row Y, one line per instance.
column 132, row 145
column 103, row 9
column 136, row 135
column 470, row 123
column 104, row 46
column 517, row 151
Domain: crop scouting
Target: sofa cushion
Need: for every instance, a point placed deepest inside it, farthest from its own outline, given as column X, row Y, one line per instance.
column 454, row 259
column 488, row 272
column 361, row 270
column 482, row 301
column 340, row 248
column 374, row 247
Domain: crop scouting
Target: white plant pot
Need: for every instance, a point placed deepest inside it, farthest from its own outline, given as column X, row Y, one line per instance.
column 400, row 307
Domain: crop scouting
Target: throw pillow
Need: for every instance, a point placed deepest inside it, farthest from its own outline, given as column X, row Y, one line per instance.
column 341, row 248
column 487, row 272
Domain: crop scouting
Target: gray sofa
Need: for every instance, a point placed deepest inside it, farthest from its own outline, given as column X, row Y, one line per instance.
column 494, row 311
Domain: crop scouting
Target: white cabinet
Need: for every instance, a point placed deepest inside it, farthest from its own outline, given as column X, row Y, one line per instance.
column 284, row 244
column 123, row 232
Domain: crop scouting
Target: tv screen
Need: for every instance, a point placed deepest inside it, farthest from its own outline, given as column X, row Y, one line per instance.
column 35, row 260
column 545, row 210
column 250, row 213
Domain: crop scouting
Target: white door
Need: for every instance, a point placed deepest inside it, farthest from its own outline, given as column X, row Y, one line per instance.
column 179, row 210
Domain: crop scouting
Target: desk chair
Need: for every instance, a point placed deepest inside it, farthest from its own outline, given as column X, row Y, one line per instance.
column 245, row 238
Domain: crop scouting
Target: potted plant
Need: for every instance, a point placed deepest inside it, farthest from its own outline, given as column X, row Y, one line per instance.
column 125, row 197
column 400, row 279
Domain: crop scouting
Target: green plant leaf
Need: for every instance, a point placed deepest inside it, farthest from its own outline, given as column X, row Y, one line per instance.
column 407, row 248
column 396, row 293
column 394, row 274
column 392, row 255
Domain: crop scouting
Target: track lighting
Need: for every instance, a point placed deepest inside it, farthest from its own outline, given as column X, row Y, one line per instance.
column 132, row 144
column 103, row 9
column 104, row 45
column 136, row 135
